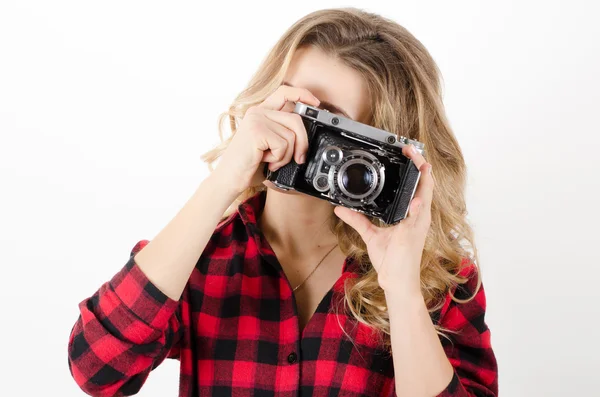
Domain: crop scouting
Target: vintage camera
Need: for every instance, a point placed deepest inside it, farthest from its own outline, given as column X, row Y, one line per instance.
column 352, row 164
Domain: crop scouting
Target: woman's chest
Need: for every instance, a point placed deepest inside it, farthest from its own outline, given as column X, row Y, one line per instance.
column 246, row 332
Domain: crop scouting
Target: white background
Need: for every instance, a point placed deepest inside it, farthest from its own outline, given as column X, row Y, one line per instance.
column 106, row 107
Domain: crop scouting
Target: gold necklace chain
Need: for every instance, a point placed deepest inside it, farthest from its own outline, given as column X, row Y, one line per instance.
column 321, row 261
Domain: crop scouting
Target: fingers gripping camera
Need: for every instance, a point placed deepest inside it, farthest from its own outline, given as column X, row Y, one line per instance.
column 352, row 164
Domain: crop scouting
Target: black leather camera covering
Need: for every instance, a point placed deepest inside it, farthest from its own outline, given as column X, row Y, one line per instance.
column 410, row 178
column 285, row 175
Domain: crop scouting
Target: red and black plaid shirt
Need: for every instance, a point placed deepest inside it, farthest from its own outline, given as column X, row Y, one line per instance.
column 235, row 330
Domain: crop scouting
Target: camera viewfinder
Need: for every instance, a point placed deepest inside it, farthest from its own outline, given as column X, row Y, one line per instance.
column 311, row 112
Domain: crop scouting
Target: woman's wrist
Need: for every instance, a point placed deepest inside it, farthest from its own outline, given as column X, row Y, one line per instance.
column 223, row 184
column 216, row 192
column 403, row 294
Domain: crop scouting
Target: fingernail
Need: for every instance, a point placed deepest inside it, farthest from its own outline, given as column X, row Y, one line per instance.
column 302, row 159
column 413, row 149
column 430, row 170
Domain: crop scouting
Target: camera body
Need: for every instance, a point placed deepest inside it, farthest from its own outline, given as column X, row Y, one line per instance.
column 352, row 164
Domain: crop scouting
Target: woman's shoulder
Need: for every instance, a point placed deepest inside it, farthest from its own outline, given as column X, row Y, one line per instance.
column 463, row 283
column 226, row 221
column 470, row 276
column 467, row 294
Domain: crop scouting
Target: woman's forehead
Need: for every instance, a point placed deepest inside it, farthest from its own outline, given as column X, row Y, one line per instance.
column 330, row 81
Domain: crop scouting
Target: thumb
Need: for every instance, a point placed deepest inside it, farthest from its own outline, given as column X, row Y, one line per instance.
column 357, row 221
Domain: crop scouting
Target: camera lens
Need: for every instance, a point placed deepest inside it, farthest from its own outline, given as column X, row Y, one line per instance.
column 357, row 179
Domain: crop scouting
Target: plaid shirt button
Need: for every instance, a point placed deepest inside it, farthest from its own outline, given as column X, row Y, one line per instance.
column 292, row 358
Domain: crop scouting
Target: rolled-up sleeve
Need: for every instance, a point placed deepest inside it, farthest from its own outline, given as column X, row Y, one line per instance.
column 468, row 345
column 124, row 330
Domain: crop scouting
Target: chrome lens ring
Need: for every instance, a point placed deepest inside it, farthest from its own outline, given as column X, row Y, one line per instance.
column 336, row 186
column 342, row 172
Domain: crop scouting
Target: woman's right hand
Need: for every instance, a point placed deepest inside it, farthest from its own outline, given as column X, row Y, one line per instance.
column 269, row 133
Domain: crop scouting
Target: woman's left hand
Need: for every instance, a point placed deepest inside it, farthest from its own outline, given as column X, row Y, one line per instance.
column 396, row 251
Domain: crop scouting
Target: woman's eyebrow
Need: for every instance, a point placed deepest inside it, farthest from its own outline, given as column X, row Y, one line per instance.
column 325, row 104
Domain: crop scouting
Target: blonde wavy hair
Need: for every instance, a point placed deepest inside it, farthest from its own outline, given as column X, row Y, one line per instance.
column 404, row 83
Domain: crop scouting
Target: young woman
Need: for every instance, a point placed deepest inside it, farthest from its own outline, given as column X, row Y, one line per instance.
column 286, row 294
